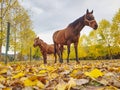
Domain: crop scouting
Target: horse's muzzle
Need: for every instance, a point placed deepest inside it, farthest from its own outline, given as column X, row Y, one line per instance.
column 96, row 26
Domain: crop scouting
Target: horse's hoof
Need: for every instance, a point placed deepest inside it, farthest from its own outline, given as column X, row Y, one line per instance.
column 61, row 62
column 78, row 62
column 45, row 63
column 68, row 63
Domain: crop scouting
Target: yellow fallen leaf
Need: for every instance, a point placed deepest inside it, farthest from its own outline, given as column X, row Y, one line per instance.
column 40, row 84
column 28, row 82
column 2, row 78
column 110, row 88
column 3, row 71
column 86, row 67
column 94, row 73
column 32, row 78
column 71, row 83
column 6, row 88
column 43, row 66
column 73, row 73
column 18, row 68
column 21, row 74
column 115, row 69
column 66, row 67
column 50, row 68
column 42, row 71
column 52, row 75
column 61, row 86
column 34, row 69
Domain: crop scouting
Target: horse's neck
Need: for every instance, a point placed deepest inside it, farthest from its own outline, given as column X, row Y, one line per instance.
column 78, row 25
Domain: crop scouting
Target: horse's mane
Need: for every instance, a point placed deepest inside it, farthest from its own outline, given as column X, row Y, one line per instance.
column 76, row 22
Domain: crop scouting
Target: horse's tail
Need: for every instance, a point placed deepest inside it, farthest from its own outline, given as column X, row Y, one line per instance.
column 55, row 49
column 55, row 46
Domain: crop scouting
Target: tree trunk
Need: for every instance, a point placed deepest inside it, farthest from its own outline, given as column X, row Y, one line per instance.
column 110, row 53
column 0, row 50
column 1, row 38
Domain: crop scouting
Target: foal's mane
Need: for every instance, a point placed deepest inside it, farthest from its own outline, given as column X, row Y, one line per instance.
column 43, row 44
column 76, row 22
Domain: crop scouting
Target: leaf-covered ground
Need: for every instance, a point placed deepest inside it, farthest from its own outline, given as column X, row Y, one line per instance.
column 88, row 75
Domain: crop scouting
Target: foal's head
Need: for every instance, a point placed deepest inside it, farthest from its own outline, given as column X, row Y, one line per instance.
column 89, row 20
column 37, row 42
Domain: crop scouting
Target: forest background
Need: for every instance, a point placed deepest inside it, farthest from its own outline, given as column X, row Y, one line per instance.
column 103, row 43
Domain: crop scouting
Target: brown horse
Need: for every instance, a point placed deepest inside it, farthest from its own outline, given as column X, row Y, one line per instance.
column 44, row 47
column 71, row 34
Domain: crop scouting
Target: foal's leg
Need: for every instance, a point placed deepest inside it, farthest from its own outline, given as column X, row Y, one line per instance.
column 76, row 51
column 45, row 58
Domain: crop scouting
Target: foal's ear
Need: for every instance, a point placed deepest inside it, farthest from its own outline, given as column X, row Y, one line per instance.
column 91, row 12
column 37, row 37
column 87, row 11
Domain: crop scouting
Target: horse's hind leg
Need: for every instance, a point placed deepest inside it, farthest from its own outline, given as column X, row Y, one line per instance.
column 55, row 50
column 55, row 58
column 61, row 50
column 60, row 56
column 68, row 52
column 76, row 51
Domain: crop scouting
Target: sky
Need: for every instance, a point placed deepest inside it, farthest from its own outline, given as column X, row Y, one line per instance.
column 49, row 16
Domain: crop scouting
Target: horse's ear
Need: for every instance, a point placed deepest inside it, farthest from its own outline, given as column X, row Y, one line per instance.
column 87, row 11
column 91, row 12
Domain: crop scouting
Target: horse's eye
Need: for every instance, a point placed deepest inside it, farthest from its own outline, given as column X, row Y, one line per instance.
column 89, row 18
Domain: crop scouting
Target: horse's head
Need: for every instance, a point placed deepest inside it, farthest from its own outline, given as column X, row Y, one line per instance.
column 89, row 20
column 36, row 42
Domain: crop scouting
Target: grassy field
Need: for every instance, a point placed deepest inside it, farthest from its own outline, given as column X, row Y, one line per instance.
column 34, row 75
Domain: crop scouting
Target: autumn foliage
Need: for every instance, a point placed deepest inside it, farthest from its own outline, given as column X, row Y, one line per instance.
column 88, row 75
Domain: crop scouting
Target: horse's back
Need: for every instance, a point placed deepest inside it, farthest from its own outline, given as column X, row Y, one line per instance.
column 55, row 34
column 59, row 37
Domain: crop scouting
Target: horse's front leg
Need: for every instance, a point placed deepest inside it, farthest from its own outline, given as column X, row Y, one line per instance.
column 76, row 51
